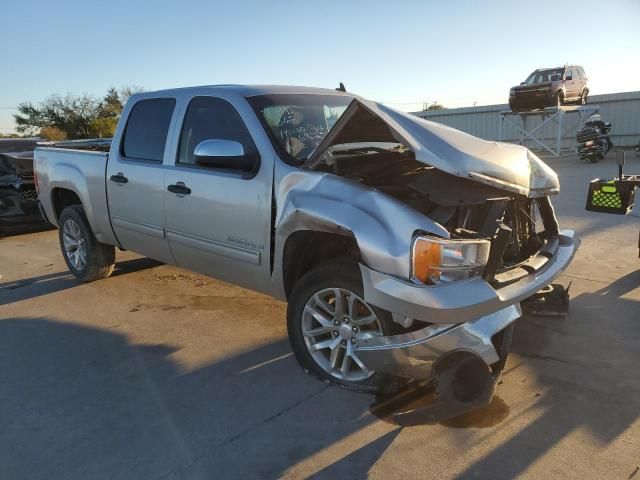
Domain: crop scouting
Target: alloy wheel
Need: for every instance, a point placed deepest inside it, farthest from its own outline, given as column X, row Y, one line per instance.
column 74, row 244
column 334, row 321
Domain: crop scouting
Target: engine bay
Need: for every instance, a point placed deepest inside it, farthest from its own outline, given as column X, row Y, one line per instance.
column 466, row 208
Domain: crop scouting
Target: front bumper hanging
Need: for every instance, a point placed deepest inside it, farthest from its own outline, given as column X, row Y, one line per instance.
column 464, row 316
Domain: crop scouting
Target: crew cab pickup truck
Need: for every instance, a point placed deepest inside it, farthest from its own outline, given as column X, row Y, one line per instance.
column 403, row 247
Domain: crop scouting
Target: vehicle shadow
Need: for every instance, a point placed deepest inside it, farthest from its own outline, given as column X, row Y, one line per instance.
column 15, row 291
column 10, row 231
column 79, row 402
column 586, row 374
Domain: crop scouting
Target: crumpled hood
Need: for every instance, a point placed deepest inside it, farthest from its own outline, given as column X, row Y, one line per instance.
column 504, row 165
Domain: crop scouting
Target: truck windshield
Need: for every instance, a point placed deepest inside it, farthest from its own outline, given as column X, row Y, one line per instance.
column 541, row 76
column 298, row 123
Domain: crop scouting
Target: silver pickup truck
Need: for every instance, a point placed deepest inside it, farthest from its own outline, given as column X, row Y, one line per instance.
column 403, row 247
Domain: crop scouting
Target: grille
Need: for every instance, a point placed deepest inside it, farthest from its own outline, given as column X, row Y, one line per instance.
column 524, row 242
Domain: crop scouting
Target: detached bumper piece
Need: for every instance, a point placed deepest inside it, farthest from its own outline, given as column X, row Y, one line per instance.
column 551, row 301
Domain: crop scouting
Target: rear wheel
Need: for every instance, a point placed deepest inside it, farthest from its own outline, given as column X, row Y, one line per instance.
column 86, row 257
column 583, row 97
column 327, row 317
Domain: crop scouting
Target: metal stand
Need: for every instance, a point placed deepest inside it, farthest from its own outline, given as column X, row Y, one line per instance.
column 576, row 116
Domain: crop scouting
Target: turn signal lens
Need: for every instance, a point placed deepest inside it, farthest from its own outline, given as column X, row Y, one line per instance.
column 436, row 260
column 427, row 259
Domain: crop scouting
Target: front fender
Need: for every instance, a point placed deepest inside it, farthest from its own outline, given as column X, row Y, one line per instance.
column 382, row 226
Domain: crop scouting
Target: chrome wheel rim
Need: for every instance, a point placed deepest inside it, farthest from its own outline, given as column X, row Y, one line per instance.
column 334, row 322
column 74, row 245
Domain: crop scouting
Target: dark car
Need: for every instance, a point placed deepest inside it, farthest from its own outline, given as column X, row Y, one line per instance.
column 550, row 87
column 18, row 197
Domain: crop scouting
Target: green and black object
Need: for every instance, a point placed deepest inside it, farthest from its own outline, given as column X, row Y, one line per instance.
column 613, row 196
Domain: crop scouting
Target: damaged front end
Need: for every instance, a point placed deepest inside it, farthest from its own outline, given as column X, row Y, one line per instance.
column 463, row 292
column 452, row 232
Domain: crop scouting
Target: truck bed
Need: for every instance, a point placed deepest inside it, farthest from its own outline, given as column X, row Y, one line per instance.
column 81, row 172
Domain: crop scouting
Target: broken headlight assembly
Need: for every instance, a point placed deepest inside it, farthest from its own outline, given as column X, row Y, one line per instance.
column 435, row 261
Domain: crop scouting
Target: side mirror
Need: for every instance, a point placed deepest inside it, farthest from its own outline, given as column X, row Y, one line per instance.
column 569, row 78
column 227, row 154
column 521, row 83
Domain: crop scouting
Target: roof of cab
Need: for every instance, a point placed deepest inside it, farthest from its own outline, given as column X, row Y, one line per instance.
column 253, row 90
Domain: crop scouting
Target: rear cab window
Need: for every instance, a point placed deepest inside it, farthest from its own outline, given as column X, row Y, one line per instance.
column 145, row 134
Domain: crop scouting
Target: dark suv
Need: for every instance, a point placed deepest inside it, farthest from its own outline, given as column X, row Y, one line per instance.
column 550, row 87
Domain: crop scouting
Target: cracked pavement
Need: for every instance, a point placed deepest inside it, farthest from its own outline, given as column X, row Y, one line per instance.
column 158, row 373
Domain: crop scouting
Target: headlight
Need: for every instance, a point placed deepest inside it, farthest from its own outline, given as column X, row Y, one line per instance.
column 435, row 260
column 512, row 93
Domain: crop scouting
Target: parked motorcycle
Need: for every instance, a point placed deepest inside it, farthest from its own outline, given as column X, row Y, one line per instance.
column 593, row 139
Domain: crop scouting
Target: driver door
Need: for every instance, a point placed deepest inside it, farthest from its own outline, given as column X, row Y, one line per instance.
column 218, row 221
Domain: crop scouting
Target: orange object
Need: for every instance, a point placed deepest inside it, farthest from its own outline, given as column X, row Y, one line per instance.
column 427, row 259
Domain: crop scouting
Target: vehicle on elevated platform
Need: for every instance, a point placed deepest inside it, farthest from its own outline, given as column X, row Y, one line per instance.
column 550, row 87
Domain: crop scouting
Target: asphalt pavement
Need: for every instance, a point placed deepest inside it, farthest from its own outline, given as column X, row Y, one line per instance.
column 158, row 373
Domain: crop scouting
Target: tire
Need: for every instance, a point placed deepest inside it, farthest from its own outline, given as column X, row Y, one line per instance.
column 76, row 238
column 321, row 282
column 558, row 97
column 583, row 97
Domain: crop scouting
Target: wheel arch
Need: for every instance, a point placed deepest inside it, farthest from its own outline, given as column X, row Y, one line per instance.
column 61, row 198
column 305, row 249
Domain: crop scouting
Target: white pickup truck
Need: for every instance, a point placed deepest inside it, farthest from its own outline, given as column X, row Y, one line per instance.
column 402, row 247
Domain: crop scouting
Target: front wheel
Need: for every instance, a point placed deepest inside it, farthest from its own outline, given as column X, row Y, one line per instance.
column 558, row 99
column 86, row 257
column 327, row 316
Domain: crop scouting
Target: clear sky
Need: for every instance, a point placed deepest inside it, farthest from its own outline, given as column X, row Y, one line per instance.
column 402, row 53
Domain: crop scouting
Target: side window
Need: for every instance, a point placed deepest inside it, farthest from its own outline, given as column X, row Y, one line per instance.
column 210, row 118
column 147, row 127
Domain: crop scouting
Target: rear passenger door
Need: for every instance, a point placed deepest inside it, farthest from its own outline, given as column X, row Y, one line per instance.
column 135, row 179
column 222, row 226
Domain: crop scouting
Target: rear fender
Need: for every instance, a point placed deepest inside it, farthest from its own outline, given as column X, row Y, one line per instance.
column 68, row 176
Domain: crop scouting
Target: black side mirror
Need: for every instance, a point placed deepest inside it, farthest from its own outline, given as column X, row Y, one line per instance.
column 521, row 83
column 225, row 154
column 569, row 78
